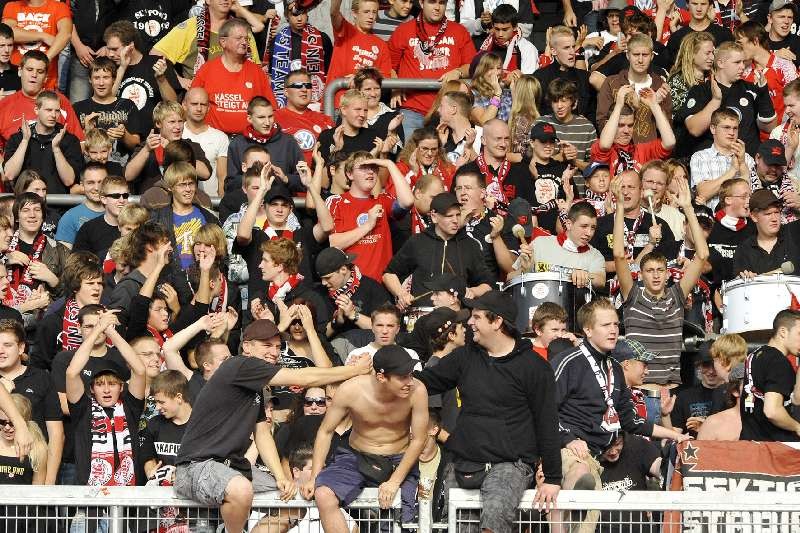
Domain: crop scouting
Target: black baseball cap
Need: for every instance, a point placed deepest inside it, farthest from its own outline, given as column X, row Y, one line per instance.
column 704, row 353
column 763, row 199
column 447, row 281
column 444, row 201
column 499, row 303
column 441, row 318
column 519, row 212
column 772, row 152
column 543, row 131
column 393, row 359
column 105, row 366
column 278, row 190
column 332, row 259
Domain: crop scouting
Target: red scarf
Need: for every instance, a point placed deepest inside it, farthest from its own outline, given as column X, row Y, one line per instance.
column 158, row 153
column 350, row 286
column 494, row 183
column 111, row 448
column 253, row 135
column 510, row 60
column 70, row 337
column 570, row 246
column 273, row 233
column 275, row 292
column 312, row 57
column 203, row 37
column 160, row 336
column 20, row 280
column 732, row 223
column 222, row 299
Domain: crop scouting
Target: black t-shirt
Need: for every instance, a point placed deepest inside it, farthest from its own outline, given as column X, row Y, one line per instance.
column 81, row 415
column 37, row 386
column 160, row 440
column 749, row 101
column 629, row 472
column 15, row 472
column 122, row 111
column 140, row 86
column 196, row 384
column 226, row 411
column 586, row 104
column 603, row 238
column 750, row 256
column 719, row 34
column 692, row 401
column 722, row 244
column 96, row 236
column 771, row 372
column 9, row 313
column 518, row 182
column 63, row 359
column 9, row 79
column 154, row 18
column 661, row 65
column 364, row 140
column 792, row 42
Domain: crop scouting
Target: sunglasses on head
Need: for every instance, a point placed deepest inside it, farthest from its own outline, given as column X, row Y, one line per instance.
column 305, row 85
column 118, row 195
column 6, row 423
column 315, row 401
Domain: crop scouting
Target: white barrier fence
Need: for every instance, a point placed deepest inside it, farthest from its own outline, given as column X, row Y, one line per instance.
column 144, row 509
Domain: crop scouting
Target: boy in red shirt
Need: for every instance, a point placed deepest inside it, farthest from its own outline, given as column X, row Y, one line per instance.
column 431, row 47
column 355, row 46
column 615, row 145
column 296, row 119
column 44, row 25
column 360, row 221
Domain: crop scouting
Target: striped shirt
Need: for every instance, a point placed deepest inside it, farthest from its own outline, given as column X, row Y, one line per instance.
column 385, row 24
column 658, row 325
column 579, row 132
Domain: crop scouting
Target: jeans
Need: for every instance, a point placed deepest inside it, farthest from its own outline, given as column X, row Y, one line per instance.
column 63, row 69
column 653, row 409
column 79, row 88
column 411, row 121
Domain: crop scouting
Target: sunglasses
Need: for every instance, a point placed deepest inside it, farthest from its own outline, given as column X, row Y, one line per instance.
column 6, row 423
column 118, row 195
column 306, row 85
column 315, row 401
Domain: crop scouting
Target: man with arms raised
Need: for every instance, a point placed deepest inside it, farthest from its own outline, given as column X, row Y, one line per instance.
column 389, row 411
column 230, row 408
column 498, row 367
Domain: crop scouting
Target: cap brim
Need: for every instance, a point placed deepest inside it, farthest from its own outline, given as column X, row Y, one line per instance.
column 403, row 370
column 474, row 303
column 445, row 208
column 105, row 372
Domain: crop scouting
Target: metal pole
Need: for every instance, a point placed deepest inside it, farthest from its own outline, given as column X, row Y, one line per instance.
column 332, row 87
column 425, row 516
column 71, row 200
column 116, row 519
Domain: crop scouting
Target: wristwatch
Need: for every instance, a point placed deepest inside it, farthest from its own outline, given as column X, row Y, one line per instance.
column 356, row 316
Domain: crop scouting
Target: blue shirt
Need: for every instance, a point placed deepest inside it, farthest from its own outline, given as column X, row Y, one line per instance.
column 71, row 222
column 185, row 227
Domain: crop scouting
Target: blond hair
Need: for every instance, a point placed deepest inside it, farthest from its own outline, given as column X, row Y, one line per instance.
column 97, row 138
column 684, row 64
column 351, row 96
column 212, row 235
column 163, row 110
column 730, row 349
column 38, row 454
column 524, row 101
column 178, row 172
column 133, row 214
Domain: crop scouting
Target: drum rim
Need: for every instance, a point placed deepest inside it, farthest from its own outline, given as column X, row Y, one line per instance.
column 544, row 276
column 762, row 279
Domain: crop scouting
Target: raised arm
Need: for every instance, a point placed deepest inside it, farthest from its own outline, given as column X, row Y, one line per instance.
column 698, row 123
column 405, row 198
column 318, row 377
column 662, row 120
column 620, row 257
column 695, row 268
column 337, row 19
column 173, row 346
column 74, row 383
column 137, row 383
column 22, row 437
column 609, row 131
column 318, row 353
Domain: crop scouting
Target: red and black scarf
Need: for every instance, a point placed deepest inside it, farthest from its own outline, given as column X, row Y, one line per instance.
column 274, row 234
column 424, row 43
column 261, row 138
column 112, row 461
column 494, row 183
column 160, row 336
column 350, row 286
column 630, row 236
column 20, row 280
column 70, row 337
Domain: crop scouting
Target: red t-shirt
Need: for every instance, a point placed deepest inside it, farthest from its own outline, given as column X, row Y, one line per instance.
column 43, row 19
column 354, row 50
column 230, row 92
column 14, row 106
column 641, row 154
column 304, row 127
column 778, row 73
column 454, row 50
column 374, row 251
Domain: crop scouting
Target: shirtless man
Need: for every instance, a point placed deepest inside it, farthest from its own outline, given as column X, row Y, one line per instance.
column 389, row 411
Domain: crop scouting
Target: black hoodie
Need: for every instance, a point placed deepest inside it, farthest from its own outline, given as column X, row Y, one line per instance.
column 508, row 410
column 426, row 254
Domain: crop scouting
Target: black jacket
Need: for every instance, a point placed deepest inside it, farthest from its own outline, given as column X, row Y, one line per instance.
column 508, row 409
column 581, row 403
column 283, row 150
column 39, row 156
column 425, row 254
column 164, row 216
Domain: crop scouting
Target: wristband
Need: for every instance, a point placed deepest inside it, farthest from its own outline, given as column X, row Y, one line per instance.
column 495, row 101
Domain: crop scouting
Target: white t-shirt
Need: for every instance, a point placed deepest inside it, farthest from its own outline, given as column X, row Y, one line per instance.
column 371, row 349
column 215, row 145
column 547, row 253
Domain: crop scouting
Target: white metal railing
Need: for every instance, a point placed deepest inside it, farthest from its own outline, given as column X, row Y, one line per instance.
column 121, row 509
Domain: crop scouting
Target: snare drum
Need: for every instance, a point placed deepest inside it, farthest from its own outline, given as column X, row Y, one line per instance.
column 751, row 305
column 414, row 314
column 529, row 291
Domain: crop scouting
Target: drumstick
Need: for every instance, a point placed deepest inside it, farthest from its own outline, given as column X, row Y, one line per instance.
column 648, row 193
column 423, row 295
column 519, row 232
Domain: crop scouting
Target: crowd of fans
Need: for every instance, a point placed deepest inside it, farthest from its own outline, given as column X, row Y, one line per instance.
column 339, row 318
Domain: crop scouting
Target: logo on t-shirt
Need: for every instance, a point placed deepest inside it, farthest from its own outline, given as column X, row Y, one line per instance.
column 305, row 139
column 362, row 218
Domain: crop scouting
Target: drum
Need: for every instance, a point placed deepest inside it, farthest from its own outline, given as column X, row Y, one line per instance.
column 529, row 291
column 751, row 305
column 413, row 314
